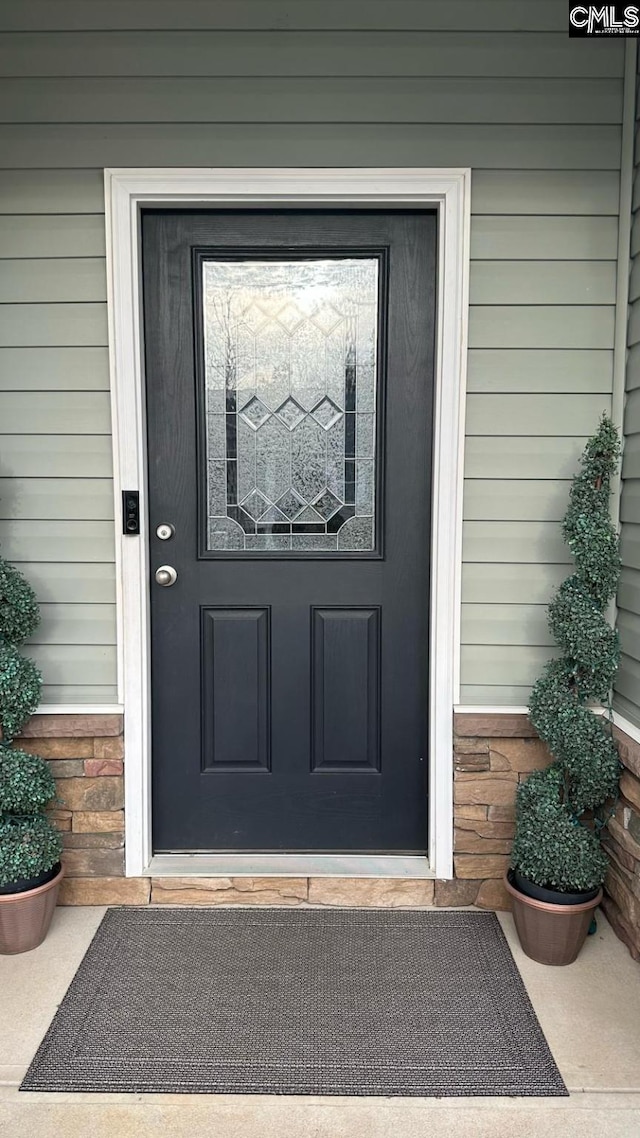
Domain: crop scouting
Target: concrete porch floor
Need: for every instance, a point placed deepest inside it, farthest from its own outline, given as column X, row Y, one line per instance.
column 590, row 1013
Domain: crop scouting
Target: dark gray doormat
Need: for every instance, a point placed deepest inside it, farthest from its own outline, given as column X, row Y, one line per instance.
column 297, row 1001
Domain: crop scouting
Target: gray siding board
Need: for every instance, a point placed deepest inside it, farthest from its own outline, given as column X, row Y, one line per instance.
column 548, row 414
column 75, row 624
column 629, row 629
column 631, row 457
column 352, row 53
column 70, row 582
column 55, row 456
column 113, row 15
column 52, row 235
column 632, row 413
column 542, row 282
column 630, row 546
column 544, row 238
column 56, row 498
column 55, row 412
column 633, row 368
column 320, row 99
column 54, row 369
column 543, row 193
column 535, row 543
column 70, row 279
column 364, row 144
column 55, row 191
column 493, row 584
column 560, row 371
column 628, row 680
column 83, row 664
column 541, row 326
column 503, row 664
column 101, row 694
column 38, row 325
column 522, row 624
column 517, row 499
column 629, row 590
column 630, row 501
column 488, row 456
column 500, row 694
column 57, row 541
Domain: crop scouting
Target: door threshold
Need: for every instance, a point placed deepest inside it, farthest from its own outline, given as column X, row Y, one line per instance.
column 289, row 865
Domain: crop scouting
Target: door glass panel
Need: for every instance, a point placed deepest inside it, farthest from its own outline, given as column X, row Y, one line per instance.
column 291, row 378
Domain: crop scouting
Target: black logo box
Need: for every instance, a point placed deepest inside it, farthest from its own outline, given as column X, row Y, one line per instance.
column 587, row 20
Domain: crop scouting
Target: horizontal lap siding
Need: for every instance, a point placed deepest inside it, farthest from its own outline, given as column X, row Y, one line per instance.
column 492, row 84
column 627, row 689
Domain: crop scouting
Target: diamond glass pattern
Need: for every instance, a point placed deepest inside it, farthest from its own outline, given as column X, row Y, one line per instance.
column 255, row 413
column 255, row 504
column 291, row 413
column 326, row 413
column 327, row 504
column 290, row 357
column 290, row 317
column 290, row 504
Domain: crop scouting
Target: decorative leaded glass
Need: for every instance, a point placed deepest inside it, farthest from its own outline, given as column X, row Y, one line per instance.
column 290, row 355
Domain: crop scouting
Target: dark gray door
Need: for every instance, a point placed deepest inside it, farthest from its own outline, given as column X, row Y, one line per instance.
column 289, row 365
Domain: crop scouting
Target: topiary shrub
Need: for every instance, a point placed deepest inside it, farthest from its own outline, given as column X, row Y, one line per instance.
column 29, row 843
column 20, row 686
column 557, row 810
column 26, row 782
column 28, row 847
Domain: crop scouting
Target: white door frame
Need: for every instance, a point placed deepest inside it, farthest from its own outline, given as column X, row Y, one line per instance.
column 126, row 191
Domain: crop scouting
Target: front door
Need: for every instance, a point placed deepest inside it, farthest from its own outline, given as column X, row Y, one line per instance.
column 289, row 382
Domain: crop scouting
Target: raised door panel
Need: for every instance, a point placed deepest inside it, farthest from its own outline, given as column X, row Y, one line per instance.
column 346, row 689
column 235, row 689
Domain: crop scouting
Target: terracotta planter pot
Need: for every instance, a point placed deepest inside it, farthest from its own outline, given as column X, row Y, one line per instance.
column 25, row 917
column 551, row 934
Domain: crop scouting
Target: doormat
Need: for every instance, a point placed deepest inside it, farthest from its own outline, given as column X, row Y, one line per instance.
column 297, row 1001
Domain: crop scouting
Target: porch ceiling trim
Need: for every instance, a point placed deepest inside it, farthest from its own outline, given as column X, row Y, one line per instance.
column 126, row 192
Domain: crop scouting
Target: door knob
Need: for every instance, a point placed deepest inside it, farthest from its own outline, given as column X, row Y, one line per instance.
column 166, row 575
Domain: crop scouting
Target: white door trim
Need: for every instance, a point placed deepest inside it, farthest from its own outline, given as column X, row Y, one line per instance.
column 126, row 191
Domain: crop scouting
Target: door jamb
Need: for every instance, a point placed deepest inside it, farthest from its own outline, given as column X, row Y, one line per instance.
column 126, row 192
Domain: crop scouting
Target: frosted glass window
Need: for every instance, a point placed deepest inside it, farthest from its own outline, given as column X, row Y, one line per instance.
column 291, row 378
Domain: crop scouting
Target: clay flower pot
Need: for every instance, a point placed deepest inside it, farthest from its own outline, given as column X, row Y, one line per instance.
column 550, row 933
column 25, row 917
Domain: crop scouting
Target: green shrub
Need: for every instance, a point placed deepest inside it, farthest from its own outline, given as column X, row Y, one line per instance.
column 556, row 842
column 29, row 843
column 26, row 783
column 20, row 686
column 550, row 848
column 19, row 613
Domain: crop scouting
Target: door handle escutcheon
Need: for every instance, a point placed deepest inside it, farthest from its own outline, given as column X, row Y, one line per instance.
column 166, row 575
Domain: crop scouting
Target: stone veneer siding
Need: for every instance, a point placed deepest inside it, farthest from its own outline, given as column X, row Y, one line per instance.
column 86, row 754
column 622, row 841
column 492, row 754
